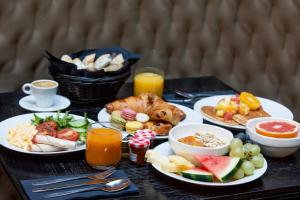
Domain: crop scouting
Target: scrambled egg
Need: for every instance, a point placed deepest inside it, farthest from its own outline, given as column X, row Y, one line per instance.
column 21, row 135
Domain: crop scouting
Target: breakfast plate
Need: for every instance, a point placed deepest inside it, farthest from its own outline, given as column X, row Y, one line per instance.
column 191, row 116
column 60, row 103
column 8, row 124
column 166, row 150
column 273, row 108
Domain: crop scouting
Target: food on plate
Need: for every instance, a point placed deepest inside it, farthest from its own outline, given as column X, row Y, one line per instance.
column 149, row 109
column 198, row 174
column 172, row 163
column 53, row 141
column 107, row 62
column 128, row 114
column 21, row 135
column 53, row 133
column 200, row 139
column 211, row 168
column 132, row 126
column 161, row 128
column 250, row 153
column 117, row 120
column 223, row 167
column 142, row 117
column 150, row 104
column 277, row 129
column 236, row 110
column 44, row 148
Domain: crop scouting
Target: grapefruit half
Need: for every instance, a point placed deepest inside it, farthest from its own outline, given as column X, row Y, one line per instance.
column 277, row 129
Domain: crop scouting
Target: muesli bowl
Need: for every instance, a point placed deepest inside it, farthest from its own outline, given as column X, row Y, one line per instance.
column 189, row 129
column 273, row 147
column 84, row 77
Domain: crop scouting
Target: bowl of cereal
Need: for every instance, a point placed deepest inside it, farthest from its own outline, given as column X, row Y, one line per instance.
column 190, row 139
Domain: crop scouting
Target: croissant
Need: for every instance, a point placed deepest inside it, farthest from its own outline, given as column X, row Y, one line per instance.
column 148, row 103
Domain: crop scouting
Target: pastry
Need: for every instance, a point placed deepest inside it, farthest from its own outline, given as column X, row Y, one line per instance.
column 160, row 128
column 132, row 126
column 117, row 120
column 152, row 105
column 128, row 114
column 118, row 60
column 103, row 61
column 89, row 59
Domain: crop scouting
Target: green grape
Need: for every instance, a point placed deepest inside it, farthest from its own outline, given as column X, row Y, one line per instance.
column 260, row 155
column 236, row 143
column 237, row 152
column 239, row 174
column 254, row 150
column 247, row 146
column 257, row 161
column 248, row 167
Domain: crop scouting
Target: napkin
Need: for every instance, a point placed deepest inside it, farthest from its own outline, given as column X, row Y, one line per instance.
column 27, row 185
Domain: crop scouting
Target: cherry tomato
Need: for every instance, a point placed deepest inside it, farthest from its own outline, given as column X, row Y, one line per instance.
column 227, row 116
column 68, row 134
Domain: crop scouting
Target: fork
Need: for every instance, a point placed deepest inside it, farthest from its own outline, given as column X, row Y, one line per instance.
column 100, row 175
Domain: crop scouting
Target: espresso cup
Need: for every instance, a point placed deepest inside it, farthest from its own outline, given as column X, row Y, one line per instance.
column 43, row 91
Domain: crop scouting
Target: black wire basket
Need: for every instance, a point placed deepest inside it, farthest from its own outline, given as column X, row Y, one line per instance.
column 85, row 87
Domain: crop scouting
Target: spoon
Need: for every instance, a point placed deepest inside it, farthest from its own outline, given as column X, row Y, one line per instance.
column 112, row 186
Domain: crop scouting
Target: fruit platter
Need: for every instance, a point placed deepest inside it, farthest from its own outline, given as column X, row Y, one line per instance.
column 45, row 133
column 243, row 164
column 146, row 111
column 234, row 111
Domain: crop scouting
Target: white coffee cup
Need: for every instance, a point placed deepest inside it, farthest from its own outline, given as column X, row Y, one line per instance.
column 43, row 91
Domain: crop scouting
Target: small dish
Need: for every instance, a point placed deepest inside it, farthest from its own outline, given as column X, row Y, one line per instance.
column 189, row 129
column 60, row 103
column 273, row 147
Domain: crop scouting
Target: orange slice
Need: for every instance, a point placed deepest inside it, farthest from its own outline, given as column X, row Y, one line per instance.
column 250, row 100
column 277, row 129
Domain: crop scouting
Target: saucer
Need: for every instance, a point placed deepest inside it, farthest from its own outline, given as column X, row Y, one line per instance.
column 60, row 103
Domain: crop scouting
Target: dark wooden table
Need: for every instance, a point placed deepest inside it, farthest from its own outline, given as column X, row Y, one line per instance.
column 281, row 181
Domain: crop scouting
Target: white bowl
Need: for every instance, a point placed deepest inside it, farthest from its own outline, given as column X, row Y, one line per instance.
column 273, row 147
column 188, row 129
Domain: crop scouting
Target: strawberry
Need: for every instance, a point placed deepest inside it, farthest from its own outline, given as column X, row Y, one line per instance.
column 227, row 116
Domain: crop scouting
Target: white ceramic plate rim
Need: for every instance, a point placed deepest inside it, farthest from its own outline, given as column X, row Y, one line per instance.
column 5, row 125
column 191, row 116
column 166, row 150
column 61, row 103
column 268, row 105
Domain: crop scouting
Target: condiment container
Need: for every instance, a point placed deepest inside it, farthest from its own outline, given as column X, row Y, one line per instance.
column 146, row 133
column 137, row 149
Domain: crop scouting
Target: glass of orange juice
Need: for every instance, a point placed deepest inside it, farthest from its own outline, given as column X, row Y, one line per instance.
column 149, row 79
column 103, row 146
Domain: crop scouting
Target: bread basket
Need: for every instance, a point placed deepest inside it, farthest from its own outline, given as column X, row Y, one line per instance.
column 84, row 89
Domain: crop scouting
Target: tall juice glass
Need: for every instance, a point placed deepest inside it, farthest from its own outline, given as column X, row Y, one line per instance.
column 149, row 79
column 103, row 147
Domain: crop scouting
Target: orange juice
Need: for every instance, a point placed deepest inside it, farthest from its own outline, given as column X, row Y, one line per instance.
column 103, row 147
column 148, row 82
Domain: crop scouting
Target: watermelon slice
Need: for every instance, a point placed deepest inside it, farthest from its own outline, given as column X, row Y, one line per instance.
column 222, row 167
column 198, row 175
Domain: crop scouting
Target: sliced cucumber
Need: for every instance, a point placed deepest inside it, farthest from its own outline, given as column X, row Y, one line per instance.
column 78, row 123
column 79, row 130
column 82, row 138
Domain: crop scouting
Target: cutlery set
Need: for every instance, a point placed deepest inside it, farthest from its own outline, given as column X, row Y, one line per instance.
column 97, row 182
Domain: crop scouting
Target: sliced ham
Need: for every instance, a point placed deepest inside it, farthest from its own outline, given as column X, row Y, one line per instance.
column 46, row 139
column 44, row 148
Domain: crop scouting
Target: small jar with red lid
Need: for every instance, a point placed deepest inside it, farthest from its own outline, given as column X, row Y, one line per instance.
column 137, row 149
column 146, row 133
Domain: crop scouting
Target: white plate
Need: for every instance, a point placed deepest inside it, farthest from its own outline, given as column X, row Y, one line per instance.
column 191, row 116
column 60, row 103
column 273, row 108
column 11, row 122
column 166, row 150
